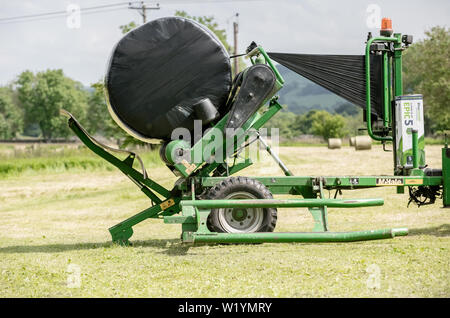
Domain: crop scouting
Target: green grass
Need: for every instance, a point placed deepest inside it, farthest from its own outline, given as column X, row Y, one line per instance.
column 298, row 143
column 51, row 219
column 434, row 141
column 51, row 158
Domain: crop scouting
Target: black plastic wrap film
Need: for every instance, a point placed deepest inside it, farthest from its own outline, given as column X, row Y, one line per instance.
column 158, row 71
column 344, row 75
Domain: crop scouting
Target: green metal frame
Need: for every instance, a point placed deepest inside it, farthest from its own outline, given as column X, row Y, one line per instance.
column 386, row 75
column 180, row 205
column 167, row 205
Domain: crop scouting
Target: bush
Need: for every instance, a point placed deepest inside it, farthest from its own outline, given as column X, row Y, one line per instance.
column 326, row 125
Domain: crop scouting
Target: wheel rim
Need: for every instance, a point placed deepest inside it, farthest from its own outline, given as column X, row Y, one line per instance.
column 241, row 220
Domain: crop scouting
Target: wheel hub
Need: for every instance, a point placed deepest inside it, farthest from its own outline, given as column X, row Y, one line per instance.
column 239, row 214
column 241, row 220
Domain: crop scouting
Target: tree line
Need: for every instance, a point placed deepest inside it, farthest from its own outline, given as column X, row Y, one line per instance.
column 30, row 105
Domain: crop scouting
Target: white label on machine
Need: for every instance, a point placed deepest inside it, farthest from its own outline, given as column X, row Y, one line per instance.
column 409, row 116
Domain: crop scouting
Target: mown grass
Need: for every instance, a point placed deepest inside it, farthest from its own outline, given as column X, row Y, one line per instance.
column 434, row 141
column 50, row 158
column 52, row 219
column 299, row 143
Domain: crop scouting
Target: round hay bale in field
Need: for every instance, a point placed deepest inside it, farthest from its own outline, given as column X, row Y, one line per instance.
column 352, row 141
column 363, row 143
column 334, row 143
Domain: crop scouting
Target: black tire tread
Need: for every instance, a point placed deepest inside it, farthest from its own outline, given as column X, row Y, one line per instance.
column 234, row 184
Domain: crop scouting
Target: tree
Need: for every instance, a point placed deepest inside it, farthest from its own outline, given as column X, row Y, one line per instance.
column 43, row 96
column 128, row 27
column 11, row 116
column 326, row 125
column 96, row 109
column 426, row 68
column 347, row 108
column 302, row 123
column 99, row 120
column 283, row 121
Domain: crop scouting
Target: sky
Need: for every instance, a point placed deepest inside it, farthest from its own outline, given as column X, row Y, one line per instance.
column 291, row 26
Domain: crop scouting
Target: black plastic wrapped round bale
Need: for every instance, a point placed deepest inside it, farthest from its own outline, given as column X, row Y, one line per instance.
column 159, row 71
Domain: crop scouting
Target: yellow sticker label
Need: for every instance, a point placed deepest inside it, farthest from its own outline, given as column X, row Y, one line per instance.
column 413, row 181
column 389, row 181
column 167, row 204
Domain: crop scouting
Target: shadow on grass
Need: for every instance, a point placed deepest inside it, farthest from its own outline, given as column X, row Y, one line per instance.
column 441, row 230
column 172, row 247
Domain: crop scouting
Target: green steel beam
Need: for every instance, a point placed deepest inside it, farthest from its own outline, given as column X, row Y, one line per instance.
column 121, row 165
column 398, row 82
column 293, row 237
column 337, row 182
column 386, row 95
column 282, row 203
column 415, row 148
column 269, row 61
column 268, row 114
column 122, row 231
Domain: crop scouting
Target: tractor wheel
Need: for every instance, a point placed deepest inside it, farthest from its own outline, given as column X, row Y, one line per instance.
column 241, row 220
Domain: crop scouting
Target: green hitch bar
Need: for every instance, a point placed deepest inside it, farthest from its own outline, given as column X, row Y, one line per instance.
column 282, row 203
column 317, row 237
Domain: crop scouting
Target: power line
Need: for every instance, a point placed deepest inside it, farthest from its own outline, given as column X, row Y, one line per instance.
column 202, row 1
column 235, row 38
column 59, row 16
column 62, row 12
column 107, row 8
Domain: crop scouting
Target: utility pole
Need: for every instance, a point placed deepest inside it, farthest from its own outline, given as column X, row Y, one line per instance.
column 235, row 33
column 143, row 9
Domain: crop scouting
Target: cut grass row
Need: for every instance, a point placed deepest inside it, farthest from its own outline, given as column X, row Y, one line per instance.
column 50, row 160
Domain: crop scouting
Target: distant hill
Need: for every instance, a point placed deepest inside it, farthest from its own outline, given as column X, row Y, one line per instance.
column 300, row 95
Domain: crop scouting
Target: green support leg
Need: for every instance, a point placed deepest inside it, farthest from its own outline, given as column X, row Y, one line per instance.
column 320, row 216
column 122, row 231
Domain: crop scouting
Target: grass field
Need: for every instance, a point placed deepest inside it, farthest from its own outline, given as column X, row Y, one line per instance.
column 55, row 216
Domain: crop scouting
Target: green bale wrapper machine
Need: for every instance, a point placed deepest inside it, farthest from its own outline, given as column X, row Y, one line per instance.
column 210, row 204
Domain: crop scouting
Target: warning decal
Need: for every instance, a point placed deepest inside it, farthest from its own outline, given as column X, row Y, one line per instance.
column 413, row 181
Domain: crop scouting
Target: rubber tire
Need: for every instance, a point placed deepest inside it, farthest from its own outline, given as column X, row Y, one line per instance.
column 241, row 184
